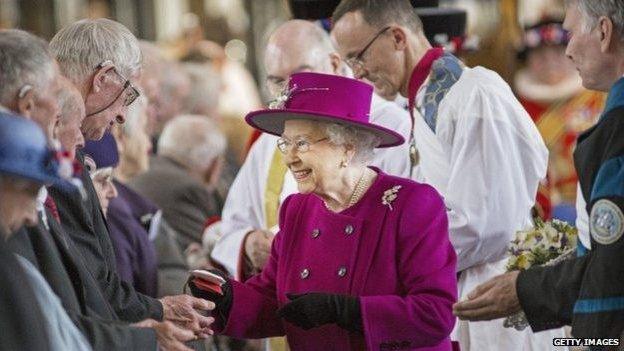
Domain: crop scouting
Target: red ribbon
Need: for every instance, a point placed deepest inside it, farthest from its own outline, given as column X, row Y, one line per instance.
column 419, row 75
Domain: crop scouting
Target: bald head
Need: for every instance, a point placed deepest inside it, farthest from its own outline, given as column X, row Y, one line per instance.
column 296, row 46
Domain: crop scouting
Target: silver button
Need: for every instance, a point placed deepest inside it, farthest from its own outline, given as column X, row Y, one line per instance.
column 316, row 233
column 342, row 271
column 349, row 229
column 305, row 273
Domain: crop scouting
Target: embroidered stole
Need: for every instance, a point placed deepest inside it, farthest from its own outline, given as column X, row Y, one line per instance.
column 273, row 190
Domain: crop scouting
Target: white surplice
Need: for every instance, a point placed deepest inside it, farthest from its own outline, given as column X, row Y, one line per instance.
column 244, row 208
column 486, row 158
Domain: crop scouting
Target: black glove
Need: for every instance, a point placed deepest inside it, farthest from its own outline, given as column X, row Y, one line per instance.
column 313, row 310
column 223, row 303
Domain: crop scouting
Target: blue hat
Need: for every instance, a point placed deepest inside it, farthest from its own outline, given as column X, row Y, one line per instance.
column 24, row 151
column 104, row 151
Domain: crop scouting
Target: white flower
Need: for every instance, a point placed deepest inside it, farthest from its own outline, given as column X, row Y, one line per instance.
column 280, row 100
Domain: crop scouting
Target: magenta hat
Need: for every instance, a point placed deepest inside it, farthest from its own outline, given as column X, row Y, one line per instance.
column 326, row 98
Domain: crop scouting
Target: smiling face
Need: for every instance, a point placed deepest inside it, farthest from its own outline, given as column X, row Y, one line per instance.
column 383, row 62
column 317, row 168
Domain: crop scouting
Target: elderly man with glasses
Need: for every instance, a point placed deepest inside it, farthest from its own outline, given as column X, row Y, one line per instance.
column 26, row 65
column 102, row 70
column 471, row 140
column 102, row 58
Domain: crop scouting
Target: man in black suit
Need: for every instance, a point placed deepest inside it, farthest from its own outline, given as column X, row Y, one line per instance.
column 24, row 59
column 102, row 58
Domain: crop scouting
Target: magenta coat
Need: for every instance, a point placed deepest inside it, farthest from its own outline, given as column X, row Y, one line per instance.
column 399, row 261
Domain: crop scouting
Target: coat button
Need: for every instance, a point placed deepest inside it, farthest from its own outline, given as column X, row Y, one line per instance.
column 305, row 273
column 349, row 229
column 342, row 271
column 316, row 233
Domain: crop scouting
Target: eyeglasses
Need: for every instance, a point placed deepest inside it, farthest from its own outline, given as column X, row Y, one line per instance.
column 356, row 63
column 301, row 145
column 131, row 92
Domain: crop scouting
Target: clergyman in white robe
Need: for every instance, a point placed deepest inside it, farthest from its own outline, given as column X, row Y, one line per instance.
column 480, row 149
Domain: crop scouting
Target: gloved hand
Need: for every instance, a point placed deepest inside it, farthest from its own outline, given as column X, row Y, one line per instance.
column 313, row 310
column 223, row 301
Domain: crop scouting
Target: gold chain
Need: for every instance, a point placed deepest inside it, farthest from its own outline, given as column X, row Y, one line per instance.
column 357, row 191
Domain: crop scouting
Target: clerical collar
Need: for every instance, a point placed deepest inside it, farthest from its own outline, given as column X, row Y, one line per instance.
column 616, row 96
column 420, row 74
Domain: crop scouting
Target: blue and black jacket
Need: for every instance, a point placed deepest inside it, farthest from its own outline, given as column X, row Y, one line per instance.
column 587, row 292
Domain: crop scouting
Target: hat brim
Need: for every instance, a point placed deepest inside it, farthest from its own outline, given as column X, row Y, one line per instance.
column 272, row 122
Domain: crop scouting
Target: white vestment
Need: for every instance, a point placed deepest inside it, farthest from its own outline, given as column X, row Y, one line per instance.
column 244, row 208
column 486, row 158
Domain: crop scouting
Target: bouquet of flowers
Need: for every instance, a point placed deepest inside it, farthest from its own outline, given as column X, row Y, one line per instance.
column 547, row 243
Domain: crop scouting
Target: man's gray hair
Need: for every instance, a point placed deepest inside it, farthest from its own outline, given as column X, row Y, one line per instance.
column 24, row 60
column 592, row 10
column 363, row 141
column 82, row 46
column 381, row 13
column 205, row 87
column 192, row 140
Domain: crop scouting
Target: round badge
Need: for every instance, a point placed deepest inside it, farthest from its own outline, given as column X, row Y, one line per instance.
column 606, row 222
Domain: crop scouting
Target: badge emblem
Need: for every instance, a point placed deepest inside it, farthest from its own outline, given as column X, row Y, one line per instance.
column 606, row 222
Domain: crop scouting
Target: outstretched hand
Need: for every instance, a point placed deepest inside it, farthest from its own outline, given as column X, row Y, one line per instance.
column 496, row 298
column 185, row 312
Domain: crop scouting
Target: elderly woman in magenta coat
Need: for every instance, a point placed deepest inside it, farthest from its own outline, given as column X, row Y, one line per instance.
column 362, row 260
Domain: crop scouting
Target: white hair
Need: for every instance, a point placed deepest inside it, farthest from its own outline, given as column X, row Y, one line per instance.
column 80, row 47
column 592, row 10
column 205, row 87
column 24, row 60
column 192, row 140
column 363, row 141
column 69, row 100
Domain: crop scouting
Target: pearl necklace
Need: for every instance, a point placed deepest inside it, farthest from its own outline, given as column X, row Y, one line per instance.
column 358, row 191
